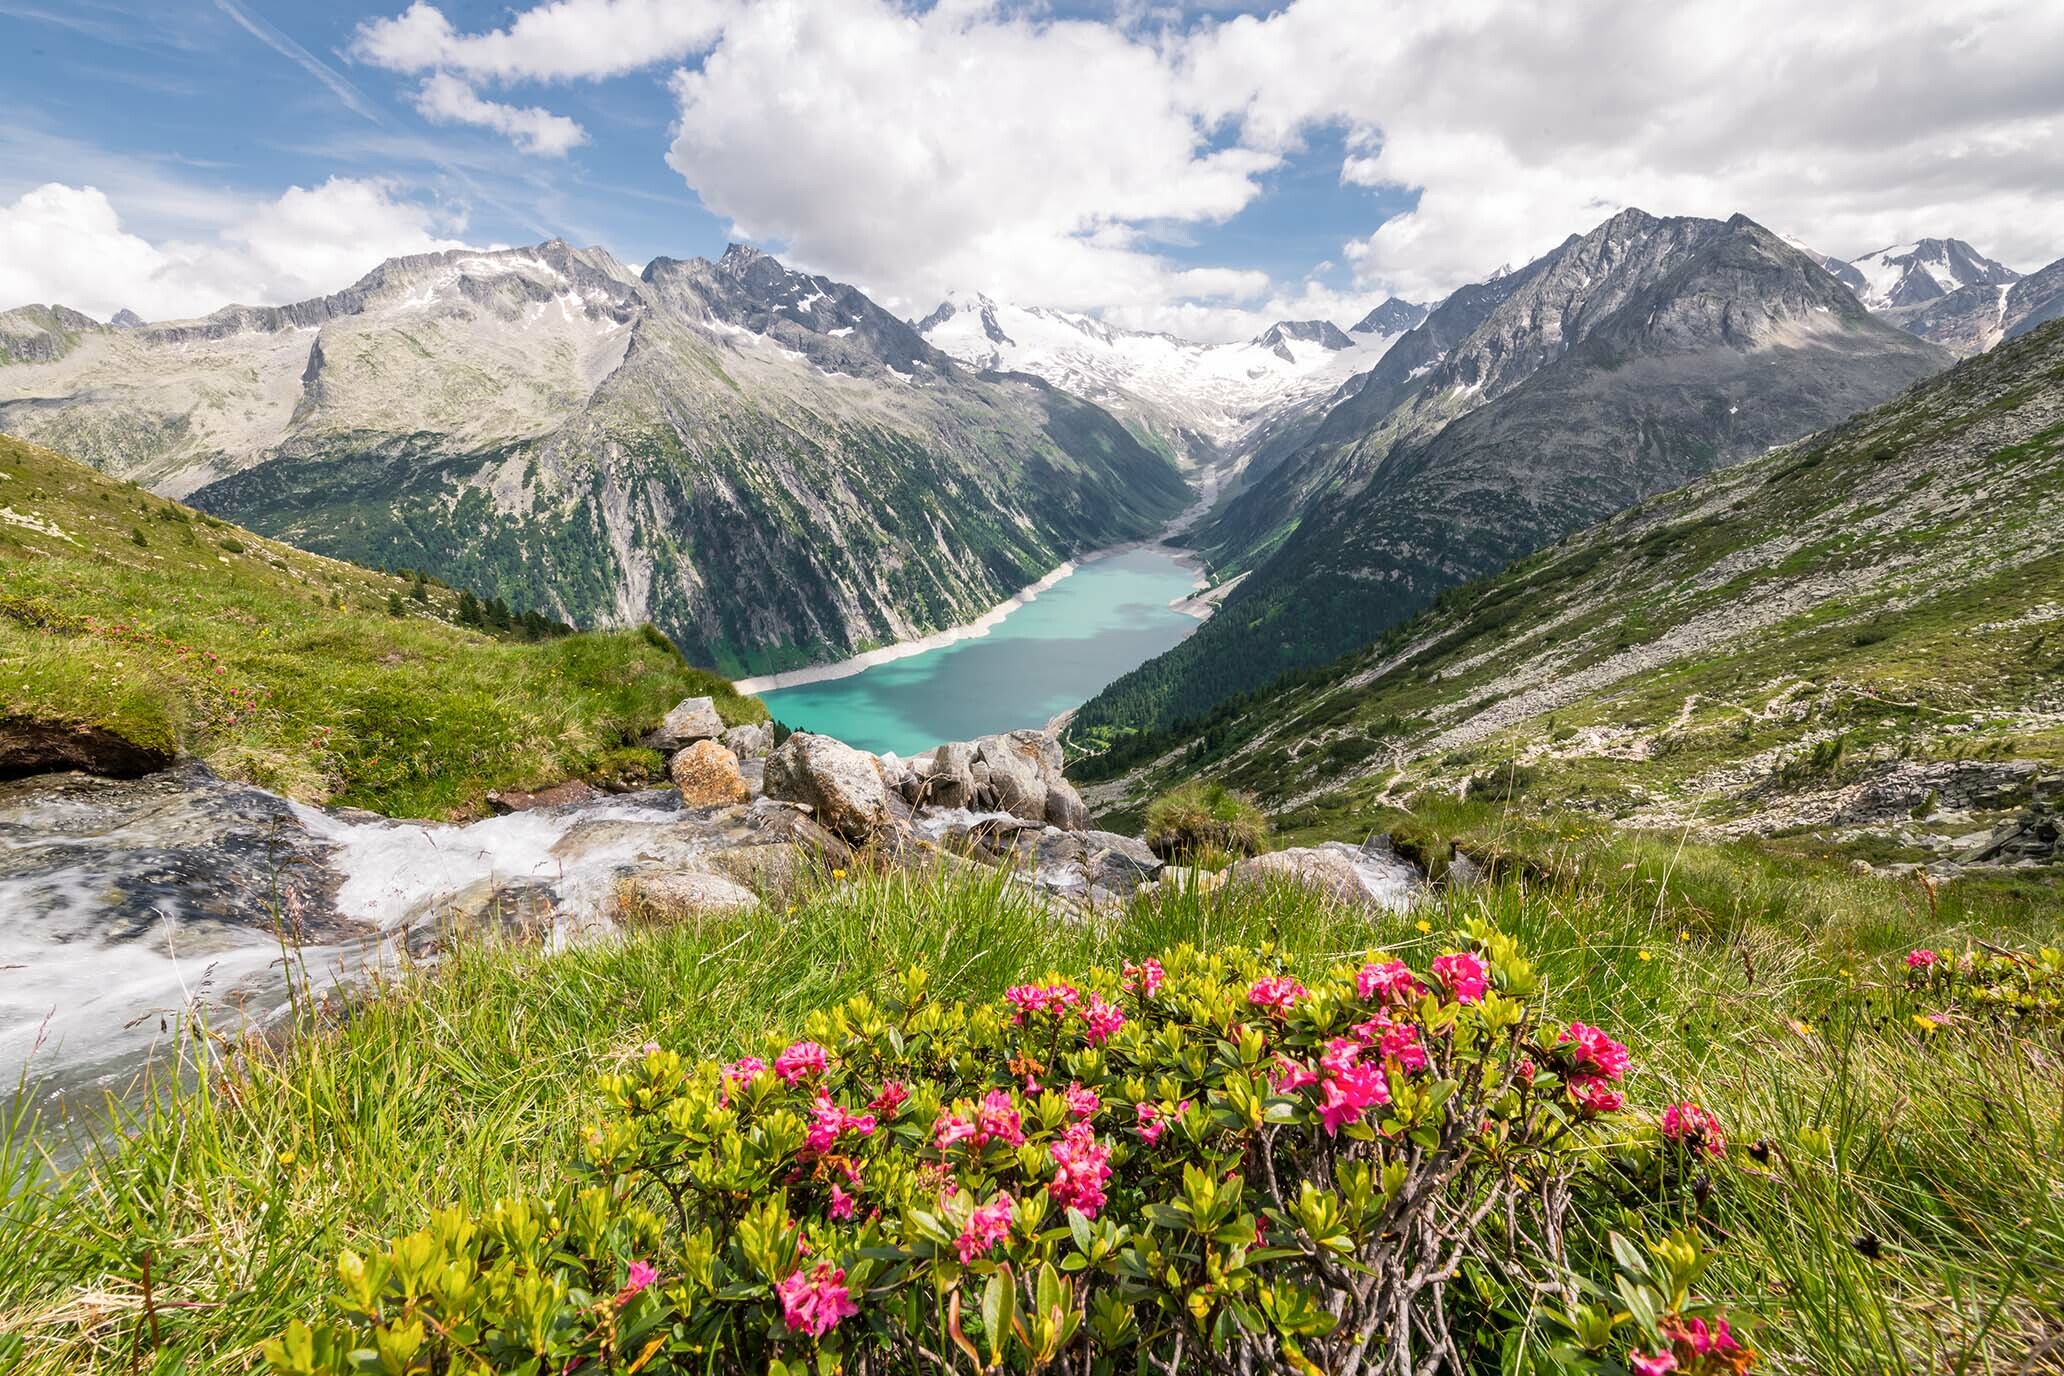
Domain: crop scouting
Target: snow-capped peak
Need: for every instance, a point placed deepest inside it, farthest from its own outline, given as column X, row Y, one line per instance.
column 1909, row 274
column 1178, row 386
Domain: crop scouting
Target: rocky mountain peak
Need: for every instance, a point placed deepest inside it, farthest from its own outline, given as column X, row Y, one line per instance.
column 1324, row 333
column 1393, row 317
column 125, row 319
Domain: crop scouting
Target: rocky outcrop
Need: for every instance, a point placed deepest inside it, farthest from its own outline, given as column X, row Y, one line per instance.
column 751, row 741
column 840, row 785
column 706, row 775
column 692, row 720
column 2036, row 837
column 1018, row 772
column 1371, row 875
column 31, row 745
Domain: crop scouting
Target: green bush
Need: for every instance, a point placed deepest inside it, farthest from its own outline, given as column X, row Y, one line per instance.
column 1199, row 1167
column 1203, row 816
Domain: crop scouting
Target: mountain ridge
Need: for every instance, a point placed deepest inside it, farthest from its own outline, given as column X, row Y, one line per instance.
column 1622, row 363
column 765, row 462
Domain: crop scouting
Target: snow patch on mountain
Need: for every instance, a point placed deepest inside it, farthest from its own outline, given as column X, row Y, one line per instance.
column 1911, row 274
column 1217, row 393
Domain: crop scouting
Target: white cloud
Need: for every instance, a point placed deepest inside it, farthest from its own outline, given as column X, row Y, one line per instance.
column 563, row 40
column 1849, row 123
column 911, row 149
column 915, row 151
column 65, row 245
column 447, row 99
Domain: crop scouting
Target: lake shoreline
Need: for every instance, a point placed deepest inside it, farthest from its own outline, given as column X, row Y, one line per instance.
column 995, row 616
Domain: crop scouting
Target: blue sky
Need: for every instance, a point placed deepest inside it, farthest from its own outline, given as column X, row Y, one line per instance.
column 1205, row 167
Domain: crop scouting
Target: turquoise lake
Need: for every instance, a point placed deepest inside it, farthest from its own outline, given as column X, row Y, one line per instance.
column 1054, row 653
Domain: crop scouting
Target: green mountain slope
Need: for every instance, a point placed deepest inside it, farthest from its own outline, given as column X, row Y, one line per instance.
column 134, row 630
column 767, row 464
column 1861, row 634
column 1624, row 364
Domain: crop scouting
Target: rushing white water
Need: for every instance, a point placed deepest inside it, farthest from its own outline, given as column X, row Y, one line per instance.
column 128, row 909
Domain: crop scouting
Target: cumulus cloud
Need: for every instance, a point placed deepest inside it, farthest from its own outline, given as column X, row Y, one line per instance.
column 559, row 41
column 913, row 151
column 447, row 99
column 1850, row 124
column 993, row 147
column 65, row 245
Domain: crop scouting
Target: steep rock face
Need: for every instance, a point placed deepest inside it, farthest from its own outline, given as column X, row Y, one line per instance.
column 40, row 334
column 1393, row 317
column 766, row 463
column 1626, row 363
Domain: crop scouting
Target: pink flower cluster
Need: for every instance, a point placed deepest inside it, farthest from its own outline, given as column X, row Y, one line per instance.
column 1277, row 993
column 801, row 1060
column 1462, row 975
column 995, row 1119
column 892, row 1097
column 640, row 1275
column 1596, row 1064
column 1099, row 1018
column 1389, row 981
column 1691, row 1341
column 1921, row 959
column 989, row 1225
column 815, row 1303
column 1350, row 1088
column 1144, row 978
column 1082, row 1103
column 1698, row 1127
column 1152, row 1120
column 829, row 1121
column 1080, row 1170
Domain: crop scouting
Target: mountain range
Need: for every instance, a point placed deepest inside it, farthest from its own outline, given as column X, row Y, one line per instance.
column 1621, row 364
column 1204, row 401
column 1854, row 639
column 765, row 463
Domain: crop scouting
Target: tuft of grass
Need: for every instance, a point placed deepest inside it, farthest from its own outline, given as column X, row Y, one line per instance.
column 1204, row 820
column 321, row 680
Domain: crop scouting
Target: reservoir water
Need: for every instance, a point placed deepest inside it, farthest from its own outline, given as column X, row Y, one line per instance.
column 1111, row 614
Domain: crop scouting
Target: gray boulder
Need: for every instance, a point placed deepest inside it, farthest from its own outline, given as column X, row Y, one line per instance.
column 841, row 785
column 692, row 720
column 675, row 895
column 751, row 741
column 1367, row 876
column 1018, row 772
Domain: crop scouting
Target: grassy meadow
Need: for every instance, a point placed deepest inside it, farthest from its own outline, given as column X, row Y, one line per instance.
column 1892, row 1200
column 318, row 679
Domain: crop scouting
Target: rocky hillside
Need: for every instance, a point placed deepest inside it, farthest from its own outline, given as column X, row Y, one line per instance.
column 1623, row 364
column 1858, row 636
column 1202, row 401
column 766, row 464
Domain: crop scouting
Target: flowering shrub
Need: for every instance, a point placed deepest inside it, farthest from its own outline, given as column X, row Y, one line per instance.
column 2014, row 983
column 1198, row 1165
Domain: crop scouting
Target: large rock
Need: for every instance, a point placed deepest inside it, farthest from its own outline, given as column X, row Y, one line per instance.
column 1370, row 876
column 504, row 801
column 843, row 786
column 674, row 895
column 751, row 741
column 785, row 822
column 707, row 775
column 1018, row 772
column 692, row 720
